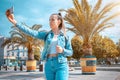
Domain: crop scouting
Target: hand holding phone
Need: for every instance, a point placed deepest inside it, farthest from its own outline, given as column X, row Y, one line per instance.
column 9, row 11
column 10, row 15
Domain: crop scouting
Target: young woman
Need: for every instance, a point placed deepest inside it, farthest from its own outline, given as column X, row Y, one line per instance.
column 57, row 46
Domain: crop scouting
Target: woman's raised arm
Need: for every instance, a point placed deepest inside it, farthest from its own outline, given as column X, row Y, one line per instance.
column 33, row 33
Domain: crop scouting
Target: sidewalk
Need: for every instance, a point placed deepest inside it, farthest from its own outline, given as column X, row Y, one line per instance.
column 73, row 75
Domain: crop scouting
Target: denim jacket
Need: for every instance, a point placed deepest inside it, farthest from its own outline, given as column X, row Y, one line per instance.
column 47, row 37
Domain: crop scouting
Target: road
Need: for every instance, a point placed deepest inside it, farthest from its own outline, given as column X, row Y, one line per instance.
column 74, row 75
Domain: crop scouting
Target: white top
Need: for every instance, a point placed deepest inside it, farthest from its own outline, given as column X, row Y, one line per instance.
column 52, row 48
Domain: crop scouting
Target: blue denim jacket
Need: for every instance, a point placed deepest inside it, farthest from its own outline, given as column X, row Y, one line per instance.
column 47, row 37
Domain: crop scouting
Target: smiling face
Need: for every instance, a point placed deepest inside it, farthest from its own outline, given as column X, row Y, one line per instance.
column 54, row 22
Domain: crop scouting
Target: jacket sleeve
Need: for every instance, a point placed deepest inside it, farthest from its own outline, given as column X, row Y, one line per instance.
column 33, row 33
column 68, row 49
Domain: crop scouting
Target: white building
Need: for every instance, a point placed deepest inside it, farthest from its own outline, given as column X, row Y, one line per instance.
column 11, row 55
column 1, row 51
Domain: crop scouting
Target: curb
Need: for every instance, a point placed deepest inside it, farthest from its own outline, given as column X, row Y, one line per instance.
column 102, row 68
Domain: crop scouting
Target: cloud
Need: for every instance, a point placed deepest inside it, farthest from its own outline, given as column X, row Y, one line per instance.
column 113, row 33
column 31, row 21
column 21, row 18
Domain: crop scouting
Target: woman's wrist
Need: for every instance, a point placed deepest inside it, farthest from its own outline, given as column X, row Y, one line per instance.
column 14, row 22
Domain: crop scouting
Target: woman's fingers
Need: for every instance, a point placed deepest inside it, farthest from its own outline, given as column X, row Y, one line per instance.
column 7, row 12
column 10, row 17
column 59, row 49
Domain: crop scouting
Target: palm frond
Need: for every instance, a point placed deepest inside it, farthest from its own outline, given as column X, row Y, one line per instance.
column 102, row 26
column 105, row 10
column 74, row 30
column 105, row 22
column 36, row 27
column 96, row 8
column 16, row 33
column 79, row 11
column 7, row 41
column 87, row 21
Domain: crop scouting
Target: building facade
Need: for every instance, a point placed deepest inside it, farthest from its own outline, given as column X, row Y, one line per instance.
column 1, row 51
column 12, row 55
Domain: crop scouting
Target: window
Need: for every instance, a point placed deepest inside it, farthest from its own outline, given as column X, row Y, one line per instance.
column 12, row 53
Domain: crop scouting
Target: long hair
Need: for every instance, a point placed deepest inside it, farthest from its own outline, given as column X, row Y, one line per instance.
column 61, row 25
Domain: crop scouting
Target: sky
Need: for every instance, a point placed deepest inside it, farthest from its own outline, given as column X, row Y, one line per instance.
column 38, row 11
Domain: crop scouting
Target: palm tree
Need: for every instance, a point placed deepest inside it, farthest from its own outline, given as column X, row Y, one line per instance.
column 88, row 20
column 20, row 38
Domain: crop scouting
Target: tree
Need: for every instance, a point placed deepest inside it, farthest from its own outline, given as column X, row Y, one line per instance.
column 77, row 47
column 20, row 38
column 110, row 47
column 89, row 20
column 118, row 47
column 104, row 47
column 98, row 46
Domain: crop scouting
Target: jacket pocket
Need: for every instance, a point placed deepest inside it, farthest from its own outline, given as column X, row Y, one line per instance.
column 61, row 58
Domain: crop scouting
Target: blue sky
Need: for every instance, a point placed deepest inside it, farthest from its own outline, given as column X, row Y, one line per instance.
column 38, row 11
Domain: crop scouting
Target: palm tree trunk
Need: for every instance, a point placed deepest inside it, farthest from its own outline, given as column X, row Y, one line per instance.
column 30, row 56
column 87, row 48
column 88, row 61
column 30, row 52
column 30, row 63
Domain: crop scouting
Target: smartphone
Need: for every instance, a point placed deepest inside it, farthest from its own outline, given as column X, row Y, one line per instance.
column 11, row 10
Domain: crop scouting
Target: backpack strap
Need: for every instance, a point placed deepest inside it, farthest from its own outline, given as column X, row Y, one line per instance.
column 46, row 35
column 66, row 39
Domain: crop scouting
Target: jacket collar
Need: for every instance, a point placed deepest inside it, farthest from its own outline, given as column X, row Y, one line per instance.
column 61, row 32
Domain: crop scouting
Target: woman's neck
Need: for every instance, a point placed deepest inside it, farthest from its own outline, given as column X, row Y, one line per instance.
column 56, row 31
